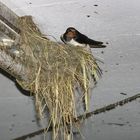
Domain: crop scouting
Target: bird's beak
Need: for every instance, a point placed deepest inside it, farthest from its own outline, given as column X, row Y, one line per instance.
column 62, row 38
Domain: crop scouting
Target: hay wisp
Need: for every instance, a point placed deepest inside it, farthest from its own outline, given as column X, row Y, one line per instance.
column 56, row 71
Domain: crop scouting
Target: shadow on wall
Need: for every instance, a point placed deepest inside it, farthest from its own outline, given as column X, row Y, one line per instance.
column 23, row 91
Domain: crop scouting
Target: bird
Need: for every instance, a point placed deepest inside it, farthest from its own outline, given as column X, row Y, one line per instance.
column 75, row 38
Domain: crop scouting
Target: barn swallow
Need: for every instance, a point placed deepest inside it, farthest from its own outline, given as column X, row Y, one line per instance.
column 74, row 37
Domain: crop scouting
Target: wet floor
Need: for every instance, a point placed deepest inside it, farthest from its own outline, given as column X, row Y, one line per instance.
column 116, row 22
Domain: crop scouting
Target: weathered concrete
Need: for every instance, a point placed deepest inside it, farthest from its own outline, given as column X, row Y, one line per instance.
column 114, row 21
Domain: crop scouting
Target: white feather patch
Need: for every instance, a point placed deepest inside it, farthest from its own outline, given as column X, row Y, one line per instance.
column 74, row 43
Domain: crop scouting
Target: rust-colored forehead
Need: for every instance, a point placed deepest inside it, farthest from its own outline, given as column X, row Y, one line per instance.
column 71, row 34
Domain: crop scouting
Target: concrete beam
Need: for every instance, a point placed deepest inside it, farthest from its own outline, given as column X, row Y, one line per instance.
column 8, row 22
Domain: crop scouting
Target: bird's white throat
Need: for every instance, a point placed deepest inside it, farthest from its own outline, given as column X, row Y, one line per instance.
column 75, row 43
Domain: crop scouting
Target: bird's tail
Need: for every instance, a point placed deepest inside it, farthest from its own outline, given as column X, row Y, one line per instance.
column 95, row 44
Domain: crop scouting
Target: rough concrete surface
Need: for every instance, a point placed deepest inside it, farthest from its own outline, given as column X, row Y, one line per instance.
column 114, row 21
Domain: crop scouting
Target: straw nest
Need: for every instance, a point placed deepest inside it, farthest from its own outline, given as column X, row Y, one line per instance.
column 57, row 71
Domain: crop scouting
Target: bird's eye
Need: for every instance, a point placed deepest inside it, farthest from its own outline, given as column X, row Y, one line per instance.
column 70, row 30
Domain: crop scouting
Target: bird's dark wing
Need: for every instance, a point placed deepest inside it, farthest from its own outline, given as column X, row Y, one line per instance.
column 97, row 46
column 92, row 43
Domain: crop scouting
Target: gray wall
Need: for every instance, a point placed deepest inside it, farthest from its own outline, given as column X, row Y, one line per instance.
column 114, row 21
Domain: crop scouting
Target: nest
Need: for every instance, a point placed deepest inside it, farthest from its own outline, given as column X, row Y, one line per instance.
column 57, row 71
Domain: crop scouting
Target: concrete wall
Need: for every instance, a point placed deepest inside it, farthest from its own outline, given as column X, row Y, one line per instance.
column 117, row 22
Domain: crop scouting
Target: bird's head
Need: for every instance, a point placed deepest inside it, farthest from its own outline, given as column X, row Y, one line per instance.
column 70, row 33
